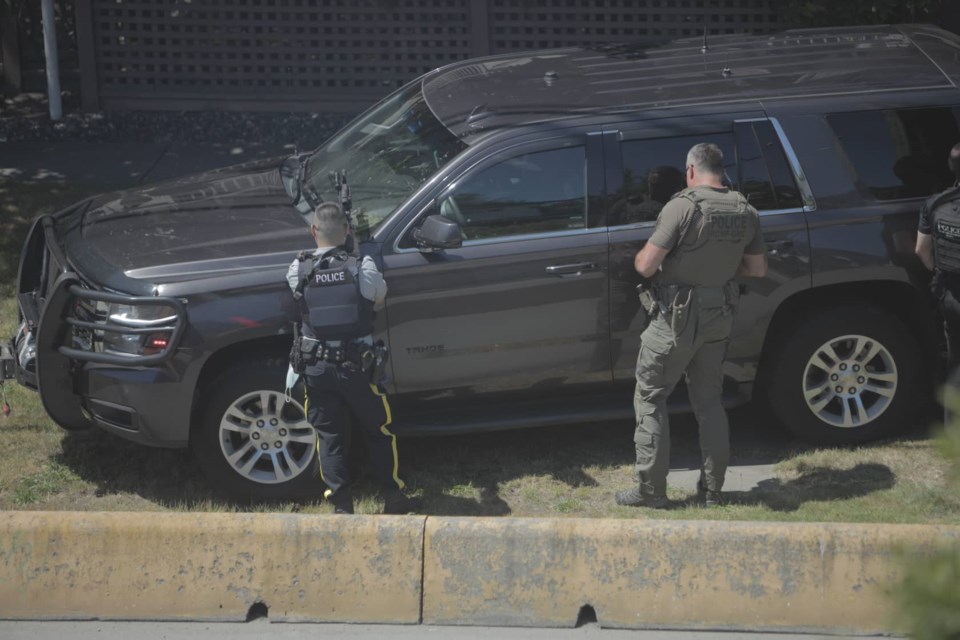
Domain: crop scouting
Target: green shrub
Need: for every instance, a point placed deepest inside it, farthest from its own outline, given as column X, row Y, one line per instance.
column 929, row 596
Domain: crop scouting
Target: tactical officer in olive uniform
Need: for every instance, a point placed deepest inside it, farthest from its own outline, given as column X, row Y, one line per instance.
column 938, row 246
column 705, row 235
column 334, row 351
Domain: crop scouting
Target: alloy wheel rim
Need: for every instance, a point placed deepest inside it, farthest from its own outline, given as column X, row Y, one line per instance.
column 850, row 381
column 266, row 438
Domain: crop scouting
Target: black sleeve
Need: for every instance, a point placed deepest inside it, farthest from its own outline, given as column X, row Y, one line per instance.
column 925, row 225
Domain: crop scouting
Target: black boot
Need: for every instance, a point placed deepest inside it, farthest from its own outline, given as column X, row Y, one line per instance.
column 635, row 498
column 709, row 498
column 396, row 502
column 342, row 500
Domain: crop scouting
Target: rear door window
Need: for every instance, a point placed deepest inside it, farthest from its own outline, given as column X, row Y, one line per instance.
column 898, row 153
column 654, row 169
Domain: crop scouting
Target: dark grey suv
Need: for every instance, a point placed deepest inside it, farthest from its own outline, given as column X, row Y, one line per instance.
column 161, row 314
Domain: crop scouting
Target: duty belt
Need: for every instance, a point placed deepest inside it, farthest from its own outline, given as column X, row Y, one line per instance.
column 335, row 352
column 707, row 297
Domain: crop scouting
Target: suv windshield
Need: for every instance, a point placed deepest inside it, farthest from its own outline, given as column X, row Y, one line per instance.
column 386, row 154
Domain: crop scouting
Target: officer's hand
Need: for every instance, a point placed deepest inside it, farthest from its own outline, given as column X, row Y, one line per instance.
column 351, row 242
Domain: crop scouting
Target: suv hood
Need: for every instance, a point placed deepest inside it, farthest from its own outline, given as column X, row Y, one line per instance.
column 193, row 227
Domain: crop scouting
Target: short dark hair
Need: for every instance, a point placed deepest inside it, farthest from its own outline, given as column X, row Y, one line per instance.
column 329, row 220
column 954, row 161
column 706, row 157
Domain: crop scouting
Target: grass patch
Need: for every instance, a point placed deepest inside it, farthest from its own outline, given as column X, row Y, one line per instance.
column 52, row 479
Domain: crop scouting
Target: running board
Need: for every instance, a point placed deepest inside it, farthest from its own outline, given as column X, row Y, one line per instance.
column 516, row 414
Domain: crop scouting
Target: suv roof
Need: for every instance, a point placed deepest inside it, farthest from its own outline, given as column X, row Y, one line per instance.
column 517, row 89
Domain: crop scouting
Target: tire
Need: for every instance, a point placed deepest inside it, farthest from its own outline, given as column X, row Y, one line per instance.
column 847, row 375
column 249, row 454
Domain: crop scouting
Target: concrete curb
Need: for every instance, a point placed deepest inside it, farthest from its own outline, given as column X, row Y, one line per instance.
column 666, row 574
column 480, row 571
column 185, row 566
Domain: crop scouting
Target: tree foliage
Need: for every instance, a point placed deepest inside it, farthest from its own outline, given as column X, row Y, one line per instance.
column 929, row 596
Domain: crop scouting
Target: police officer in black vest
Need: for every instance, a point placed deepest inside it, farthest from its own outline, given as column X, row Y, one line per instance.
column 938, row 246
column 334, row 351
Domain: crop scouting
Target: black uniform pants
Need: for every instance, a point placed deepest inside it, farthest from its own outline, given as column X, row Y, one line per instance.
column 339, row 398
column 950, row 307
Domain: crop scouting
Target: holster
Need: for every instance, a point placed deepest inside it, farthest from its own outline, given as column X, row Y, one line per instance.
column 648, row 300
column 938, row 284
column 378, row 370
column 304, row 351
column 297, row 362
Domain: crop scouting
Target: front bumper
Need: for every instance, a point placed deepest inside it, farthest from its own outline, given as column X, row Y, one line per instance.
column 59, row 346
column 150, row 405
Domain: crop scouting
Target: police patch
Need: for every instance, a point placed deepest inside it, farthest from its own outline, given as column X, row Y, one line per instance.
column 328, row 277
column 947, row 230
column 729, row 226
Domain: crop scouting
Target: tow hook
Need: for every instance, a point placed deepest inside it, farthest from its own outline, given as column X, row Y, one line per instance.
column 8, row 371
column 8, row 363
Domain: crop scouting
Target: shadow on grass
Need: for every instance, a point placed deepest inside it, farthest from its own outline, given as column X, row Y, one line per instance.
column 463, row 475
column 817, row 484
column 167, row 477
column 442, row 467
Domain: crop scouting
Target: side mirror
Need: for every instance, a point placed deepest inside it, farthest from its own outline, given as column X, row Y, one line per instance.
column 438, row 232
column 290, row 177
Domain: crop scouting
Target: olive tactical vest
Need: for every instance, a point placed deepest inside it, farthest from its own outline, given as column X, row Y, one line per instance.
column 711, row 244
column 332, row 307
column 945, row 219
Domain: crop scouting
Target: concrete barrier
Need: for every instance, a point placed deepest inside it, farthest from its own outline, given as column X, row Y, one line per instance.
column 665, row 574
column 476, row 571
column 186, row 566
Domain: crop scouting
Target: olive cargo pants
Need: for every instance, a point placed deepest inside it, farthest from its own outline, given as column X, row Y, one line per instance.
column 663, row 358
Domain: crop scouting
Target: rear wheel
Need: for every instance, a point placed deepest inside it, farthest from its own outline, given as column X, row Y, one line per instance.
column 252, row 443
column 846, row 376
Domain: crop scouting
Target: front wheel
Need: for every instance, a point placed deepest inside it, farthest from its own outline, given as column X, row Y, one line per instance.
column 251, row 442
column 847, row 376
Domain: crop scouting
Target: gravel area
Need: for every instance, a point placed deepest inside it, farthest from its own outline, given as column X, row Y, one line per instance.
column 25, row 119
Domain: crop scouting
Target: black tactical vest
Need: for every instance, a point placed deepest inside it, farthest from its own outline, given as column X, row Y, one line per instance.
column 945, row 219
column 332, row 307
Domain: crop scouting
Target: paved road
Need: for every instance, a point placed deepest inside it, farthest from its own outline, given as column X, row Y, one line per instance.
column 262, row 629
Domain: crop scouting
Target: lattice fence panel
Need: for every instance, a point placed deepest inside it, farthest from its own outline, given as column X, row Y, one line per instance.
column 272, row 50
column 535, row 24
column 322, row 54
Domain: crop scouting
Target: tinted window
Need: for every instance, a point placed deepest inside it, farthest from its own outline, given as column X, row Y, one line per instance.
column 654, row 170
column 533, row 193
column 898, row 153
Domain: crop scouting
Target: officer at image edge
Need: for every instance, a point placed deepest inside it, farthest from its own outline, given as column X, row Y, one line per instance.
column 938, row 247
column 704, row 237
column 336, row 294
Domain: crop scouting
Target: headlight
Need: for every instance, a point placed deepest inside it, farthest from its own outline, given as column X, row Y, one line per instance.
column 140, row 317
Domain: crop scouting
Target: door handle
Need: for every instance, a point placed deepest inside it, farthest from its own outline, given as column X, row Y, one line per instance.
column 571, row 269
column 777, row 246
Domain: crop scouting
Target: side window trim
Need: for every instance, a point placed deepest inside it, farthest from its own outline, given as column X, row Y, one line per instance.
column 806, row 193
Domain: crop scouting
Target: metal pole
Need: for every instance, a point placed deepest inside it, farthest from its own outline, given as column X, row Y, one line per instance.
column 53, row 62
